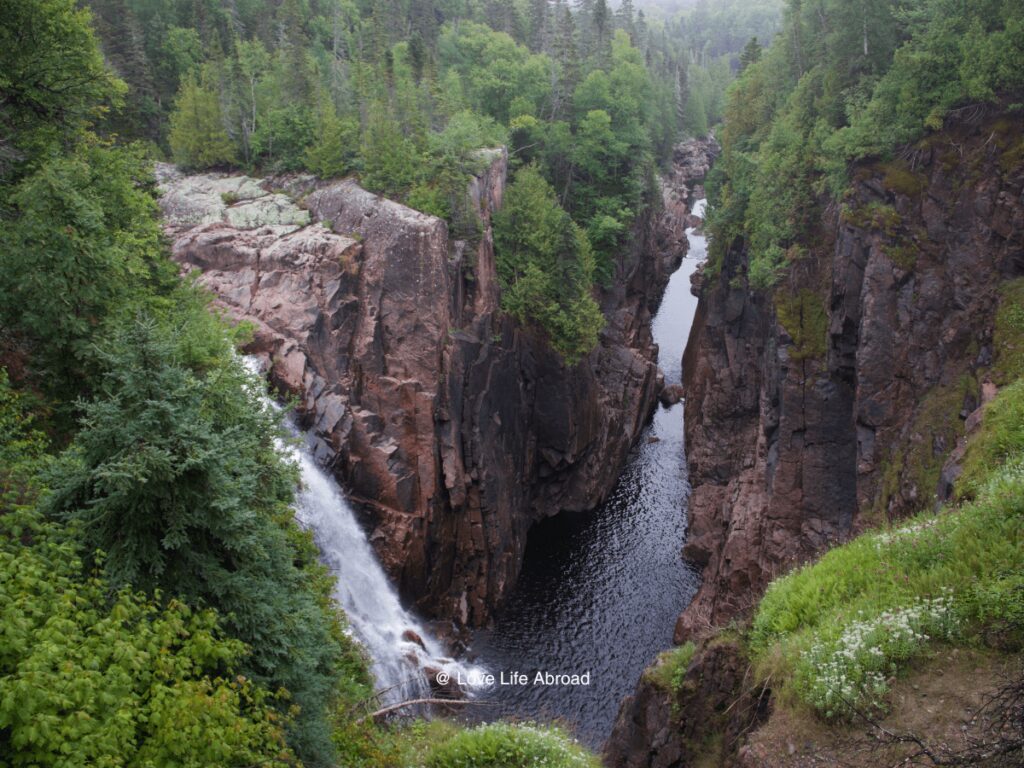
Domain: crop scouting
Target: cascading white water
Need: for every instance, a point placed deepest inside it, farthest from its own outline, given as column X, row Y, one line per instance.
column 401, row 650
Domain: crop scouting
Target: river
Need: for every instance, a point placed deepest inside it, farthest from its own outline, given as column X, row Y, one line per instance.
column 600, row 591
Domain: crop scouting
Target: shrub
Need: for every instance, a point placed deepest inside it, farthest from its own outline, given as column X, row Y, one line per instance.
column 503, row 745
column 89, row 676
column 849, row 673
column 805, row 320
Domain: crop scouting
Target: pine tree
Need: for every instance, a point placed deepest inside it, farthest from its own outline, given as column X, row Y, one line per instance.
column 295, row 46
column 624, row 19
column 123, row 46
column 565, row 53
column 682, row 89
column 584, row 15
column 198, row 138
column 423, row 20
column 539, row 17
column 641, row 40
column 602, row 31
column 500, row 16
column 751, row 53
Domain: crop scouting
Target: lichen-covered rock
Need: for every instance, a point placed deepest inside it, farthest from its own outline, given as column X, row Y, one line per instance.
column 243, row 202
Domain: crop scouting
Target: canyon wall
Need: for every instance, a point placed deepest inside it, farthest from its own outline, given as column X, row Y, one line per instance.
column 836, row 401
column 832, row 402
column 452, row 427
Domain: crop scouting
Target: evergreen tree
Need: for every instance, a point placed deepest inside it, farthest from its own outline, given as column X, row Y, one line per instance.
column 546, row 266
column 567, row 57
column 540, row 13
column 602, row 28
column 625, row 19
column 682, row 91
column 53, row 82
column 584, row 13
column 79, row 236
column 198, row 137
column 174, row 475
column 124, row 51
column 751, row 54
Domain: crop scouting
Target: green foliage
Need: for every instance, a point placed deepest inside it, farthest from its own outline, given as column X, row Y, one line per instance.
column 197, row 137
column 23, row 449
column 670, row 668
column 80, row 240
column 1008, row 338
column 91, row 678
column 53, row 82
column 494, row 71
column 336, row 148
column 175, row 476
column 899, row 178
column 503, row 745
column 999, row 438
column 843, row 82
column 956, row 53
column 391, row 162
column 803, row 317
column 546, row 266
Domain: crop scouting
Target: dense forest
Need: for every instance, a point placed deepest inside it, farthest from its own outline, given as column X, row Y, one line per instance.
column 403, row 94
column 845, row 81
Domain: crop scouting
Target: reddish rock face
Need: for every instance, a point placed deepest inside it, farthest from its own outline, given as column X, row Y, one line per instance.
column 788, row 453
column 452, row 427
column 714, row 704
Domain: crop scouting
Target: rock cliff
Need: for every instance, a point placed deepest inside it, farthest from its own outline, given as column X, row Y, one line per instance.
column 836, row 401
column 452, row 427
column 832, row 402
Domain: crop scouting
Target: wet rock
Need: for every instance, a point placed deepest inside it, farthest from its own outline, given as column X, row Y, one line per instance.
column 443, row 688
column 410, row 636
column 671, row 395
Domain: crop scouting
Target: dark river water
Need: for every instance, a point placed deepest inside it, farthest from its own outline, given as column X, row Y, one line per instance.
column 600, row 591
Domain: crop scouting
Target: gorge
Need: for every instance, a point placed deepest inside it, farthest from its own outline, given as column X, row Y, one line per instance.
column 600, row 590
column 353, row 319
column 351, row 346
column 845, row 398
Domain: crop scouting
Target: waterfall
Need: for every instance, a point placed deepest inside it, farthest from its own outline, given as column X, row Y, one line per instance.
column 402, row 651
